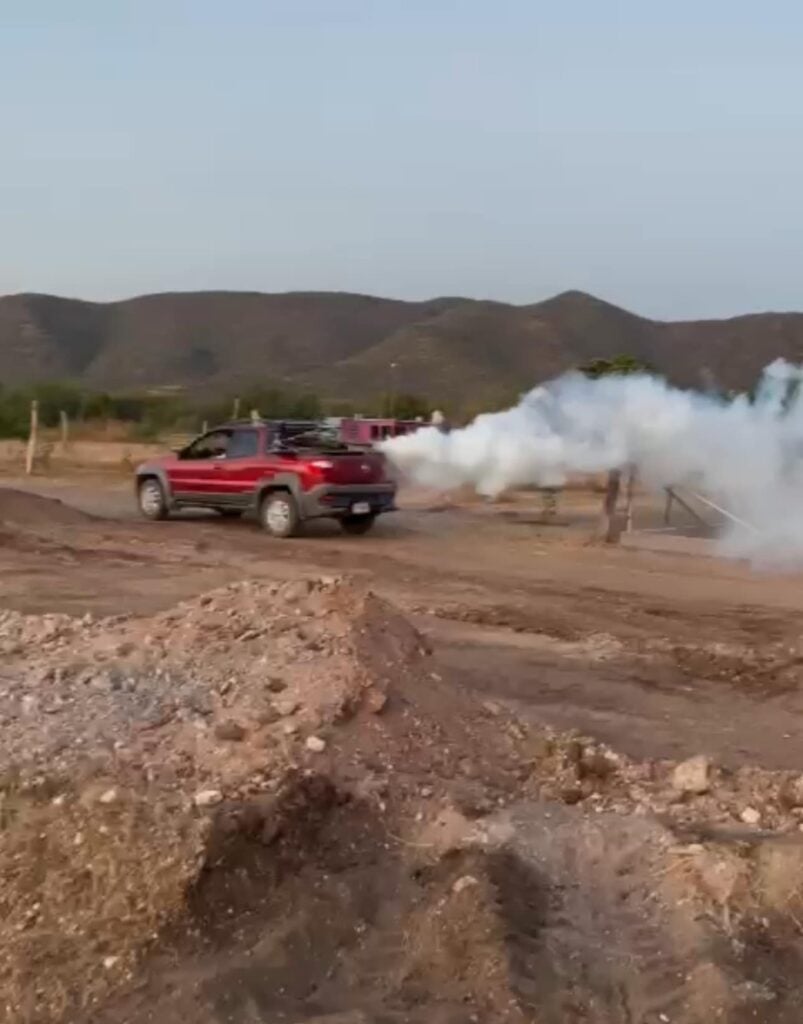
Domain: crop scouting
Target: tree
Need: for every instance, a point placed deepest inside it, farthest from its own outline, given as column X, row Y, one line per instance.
column 15, row 413
column 405, row 407
column 620, row 365
column 55, row 396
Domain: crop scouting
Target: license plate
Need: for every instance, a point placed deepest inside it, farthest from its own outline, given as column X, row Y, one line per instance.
column 361, row 508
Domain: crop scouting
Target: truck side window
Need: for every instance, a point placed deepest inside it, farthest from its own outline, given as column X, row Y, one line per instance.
column 244, row 444
column 210, row 446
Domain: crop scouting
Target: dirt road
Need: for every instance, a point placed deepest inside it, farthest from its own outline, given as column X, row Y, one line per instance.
column 660, row 653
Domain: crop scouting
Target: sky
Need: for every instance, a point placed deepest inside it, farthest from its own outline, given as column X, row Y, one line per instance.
column 648, row 152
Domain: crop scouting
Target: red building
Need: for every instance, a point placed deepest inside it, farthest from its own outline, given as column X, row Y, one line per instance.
column 368, row 431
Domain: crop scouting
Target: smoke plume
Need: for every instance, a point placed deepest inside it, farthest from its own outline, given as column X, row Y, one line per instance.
column 745, row 453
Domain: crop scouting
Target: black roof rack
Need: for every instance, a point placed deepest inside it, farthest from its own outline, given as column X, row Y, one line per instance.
column 275, row 421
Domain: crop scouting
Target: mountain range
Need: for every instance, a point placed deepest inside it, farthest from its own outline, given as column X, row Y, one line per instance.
column 341, row 345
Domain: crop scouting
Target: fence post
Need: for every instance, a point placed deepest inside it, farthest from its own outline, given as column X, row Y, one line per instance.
column 64, row 423
column 255, row 417
column 235, row 412
column 205, row 426
column 30, row 452
column 609, row 527
column 631, row 487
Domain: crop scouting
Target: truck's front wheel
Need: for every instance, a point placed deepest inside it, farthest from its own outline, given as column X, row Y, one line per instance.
column 151, row 497
column 279, row 515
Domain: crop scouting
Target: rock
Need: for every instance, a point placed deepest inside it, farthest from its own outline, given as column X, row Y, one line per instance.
column 290, row 728
column 110, row 961
column 463, row 883
column 315, row 744
column 276, row 685
column 790, row 794
column 750, row 816
column 687, row 850
column 230, row 730
column 693, row 775
column 597, row 764
column 375, row 700
column 286, row 707
column 109, row 796
column 208, row 798
column 492, row 708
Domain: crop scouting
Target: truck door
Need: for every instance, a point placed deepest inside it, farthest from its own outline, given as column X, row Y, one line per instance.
column 197, row 473
column 243, row 466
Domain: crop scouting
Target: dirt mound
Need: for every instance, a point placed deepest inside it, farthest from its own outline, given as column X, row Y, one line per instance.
column 263, row 804
column 119, row 736
column 20, row 508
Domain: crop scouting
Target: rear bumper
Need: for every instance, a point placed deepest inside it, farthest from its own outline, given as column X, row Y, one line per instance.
column 337, row 500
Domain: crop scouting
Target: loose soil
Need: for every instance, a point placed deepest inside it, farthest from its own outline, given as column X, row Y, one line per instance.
column 426, row 775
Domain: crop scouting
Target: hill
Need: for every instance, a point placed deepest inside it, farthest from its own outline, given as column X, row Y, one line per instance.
column 349, row 346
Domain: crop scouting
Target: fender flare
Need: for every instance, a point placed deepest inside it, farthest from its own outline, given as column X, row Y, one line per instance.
column 280, row 482
column 155, row 471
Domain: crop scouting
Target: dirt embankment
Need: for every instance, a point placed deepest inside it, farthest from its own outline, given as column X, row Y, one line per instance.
column 265, row 804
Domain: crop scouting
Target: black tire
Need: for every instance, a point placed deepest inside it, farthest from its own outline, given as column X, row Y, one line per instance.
column 151, row 498
column 279, row 515
column 229, row 513
column 356, row 526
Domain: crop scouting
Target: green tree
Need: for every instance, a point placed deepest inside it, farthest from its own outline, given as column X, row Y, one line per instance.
column 405, row 406
column 621, row 365
column 305, row 407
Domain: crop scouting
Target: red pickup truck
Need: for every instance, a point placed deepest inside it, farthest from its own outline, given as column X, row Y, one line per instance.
column 285, row 471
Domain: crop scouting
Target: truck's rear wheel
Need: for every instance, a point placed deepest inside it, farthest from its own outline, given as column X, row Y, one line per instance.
column 356, row 526
column 152, row 500
column 279, row 514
